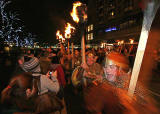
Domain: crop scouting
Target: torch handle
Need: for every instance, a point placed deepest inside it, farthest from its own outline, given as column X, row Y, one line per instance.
column 83, row 50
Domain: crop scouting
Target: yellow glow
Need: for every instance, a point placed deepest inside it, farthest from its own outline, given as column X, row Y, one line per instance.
column 6, row 48
column 131, row 41
column 112, row 13
column 85, row 16
column 122, row 42
column 60, row 36
column 103, row 45
column 68, row 30
column 74, row 11
column 57, row 34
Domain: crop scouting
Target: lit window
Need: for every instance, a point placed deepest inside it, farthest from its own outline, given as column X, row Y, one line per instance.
column 112, row 13
column 90, row 27
column 90, row 36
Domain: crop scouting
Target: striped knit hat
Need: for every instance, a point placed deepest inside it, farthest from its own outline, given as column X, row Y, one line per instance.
column 32, row 65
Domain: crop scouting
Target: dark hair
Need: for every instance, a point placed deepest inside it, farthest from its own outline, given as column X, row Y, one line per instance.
column 55, row 60
column 15, row 92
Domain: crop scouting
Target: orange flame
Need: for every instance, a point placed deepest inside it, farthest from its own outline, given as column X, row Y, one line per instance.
column 68, row 30
column 131, row 41
column 63, row 40
column 122, row 42
column 60, row 36
column 74, row 11
column 85, row 16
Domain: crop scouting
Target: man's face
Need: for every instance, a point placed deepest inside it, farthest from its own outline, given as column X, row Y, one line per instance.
column 76, row 53
column 21, row 61
column 90, row 59
column 111, row 70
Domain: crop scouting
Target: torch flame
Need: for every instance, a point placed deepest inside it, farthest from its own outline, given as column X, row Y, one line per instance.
column 68, row 30
column 74, row 11
column 85, row 16
column 122, row 42
column 57, row 34
column 131, row 41
column 60, row 36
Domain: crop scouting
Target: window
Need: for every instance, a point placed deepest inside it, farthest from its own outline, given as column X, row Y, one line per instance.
column 124, row 25
column 131, row 22
column 112, row 13
column 129, row 5
column 90, row 36
column 90, row 27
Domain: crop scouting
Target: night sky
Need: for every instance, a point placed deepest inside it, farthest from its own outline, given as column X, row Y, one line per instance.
column 44, row 17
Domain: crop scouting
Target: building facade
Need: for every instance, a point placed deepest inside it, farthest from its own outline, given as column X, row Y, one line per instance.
column 113, row 20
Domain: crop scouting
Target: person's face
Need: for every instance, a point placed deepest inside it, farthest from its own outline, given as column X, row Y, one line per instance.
column 21, row 61
column 28, row 51
column 90, row 60
column 111, row 70
column 76, row 53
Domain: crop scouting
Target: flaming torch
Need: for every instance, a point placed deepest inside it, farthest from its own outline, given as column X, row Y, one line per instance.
column 79, row 15
column 79, row 12
column 131, row 41
column 60, row 37
column 74, row 12
column 68, row 30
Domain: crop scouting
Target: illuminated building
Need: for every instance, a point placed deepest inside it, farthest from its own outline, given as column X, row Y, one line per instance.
column 113, row 20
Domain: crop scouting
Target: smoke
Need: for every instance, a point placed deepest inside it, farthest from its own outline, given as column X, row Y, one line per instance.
column 149, row 13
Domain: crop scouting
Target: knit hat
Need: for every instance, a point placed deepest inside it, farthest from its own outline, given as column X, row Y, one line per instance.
column 32, row 65
column 118, row 59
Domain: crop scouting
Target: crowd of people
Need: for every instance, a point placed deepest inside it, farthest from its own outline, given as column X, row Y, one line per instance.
column 38, row 81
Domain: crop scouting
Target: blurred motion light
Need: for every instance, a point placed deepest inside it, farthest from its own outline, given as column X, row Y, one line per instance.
column 110, row 29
